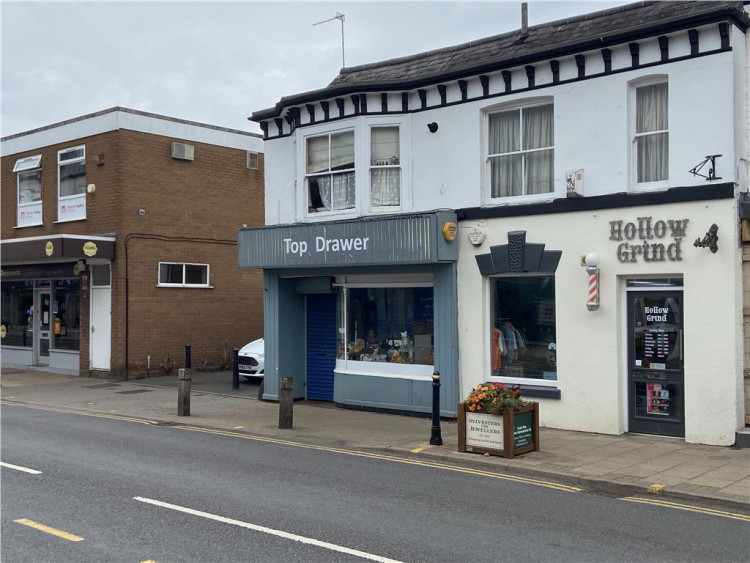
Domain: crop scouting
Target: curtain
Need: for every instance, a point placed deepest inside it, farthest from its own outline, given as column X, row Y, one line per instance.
column 505, row 137
column 336, row 191
column 652, row 148
column 385, row 186
column 317, row 155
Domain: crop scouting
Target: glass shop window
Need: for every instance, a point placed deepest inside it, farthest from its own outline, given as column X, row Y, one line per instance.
column 523, row 341
column 17, row 313
column 388, row 324
column 66, row 315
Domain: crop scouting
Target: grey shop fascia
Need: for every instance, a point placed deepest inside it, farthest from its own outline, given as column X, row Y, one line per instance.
column 303, row 259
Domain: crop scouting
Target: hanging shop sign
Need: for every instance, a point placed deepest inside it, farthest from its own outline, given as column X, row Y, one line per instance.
column 649, row 240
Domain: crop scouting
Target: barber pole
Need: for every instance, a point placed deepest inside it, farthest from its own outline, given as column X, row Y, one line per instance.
column 593, row 303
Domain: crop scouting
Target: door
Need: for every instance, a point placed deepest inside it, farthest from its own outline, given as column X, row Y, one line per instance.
column 101, row 317
column 42, row 327
column 321, row 346
column 655, row 363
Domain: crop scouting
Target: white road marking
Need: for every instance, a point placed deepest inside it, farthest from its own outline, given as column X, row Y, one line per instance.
column 270, row 531
column 19, row 468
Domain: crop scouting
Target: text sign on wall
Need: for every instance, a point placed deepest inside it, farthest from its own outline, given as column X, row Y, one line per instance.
column 652, row 240
column 523, row 429
column 29, row 214
column 72, row 208
column 410, row 239
column 484, row 431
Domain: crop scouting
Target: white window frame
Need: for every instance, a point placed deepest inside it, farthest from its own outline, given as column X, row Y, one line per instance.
column 183, row 284
column 525, row 381
column 25, row 166
column 633, row 151
column 78, row 200
column 362, row 138
column 512, row 106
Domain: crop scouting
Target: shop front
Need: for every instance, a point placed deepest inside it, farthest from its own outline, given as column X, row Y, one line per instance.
column 360, row 312
column 46, row 301
column 636, row 328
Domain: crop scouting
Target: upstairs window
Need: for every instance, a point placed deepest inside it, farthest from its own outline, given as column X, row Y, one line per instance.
column 385, row 167
column 174, row 274
column 651, row 138
column 29, row 207
column 521, row 151
column 329, row 172
column 71, row 185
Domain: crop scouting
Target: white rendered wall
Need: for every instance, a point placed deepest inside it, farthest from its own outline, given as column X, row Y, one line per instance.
column 593, row 119
column 592, row 345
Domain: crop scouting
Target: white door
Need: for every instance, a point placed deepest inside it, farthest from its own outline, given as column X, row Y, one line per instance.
column 101, row 318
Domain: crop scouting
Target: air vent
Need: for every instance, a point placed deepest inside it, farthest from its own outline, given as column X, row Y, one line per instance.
column 183, row 151
column 252, row 160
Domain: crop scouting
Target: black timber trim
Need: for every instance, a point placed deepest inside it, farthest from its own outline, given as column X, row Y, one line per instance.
column 384, row 102
column 530, row 72
column 607, row 58
column 724, row 34
column 506, row 78
column 610, row 201
column 422, row 98
column 694, row 38
column 664, row 48
column 485, row 80
column 311, row 112
column 634, row 54
column 363, row 104
column 463, row 86
column 581, row 64
column 326, row 110
column 443, row 91
column 554, row 66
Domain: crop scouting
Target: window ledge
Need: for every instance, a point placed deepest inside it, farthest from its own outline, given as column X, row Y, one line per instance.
column 25, row 226
column 68, row 220
column 170, row 286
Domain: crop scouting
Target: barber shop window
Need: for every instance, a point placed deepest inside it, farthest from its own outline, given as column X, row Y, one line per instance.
column 173, row 274
column 523, row 336
column 329, row 172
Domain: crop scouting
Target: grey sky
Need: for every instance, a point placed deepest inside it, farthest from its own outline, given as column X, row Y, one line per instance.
column 217, row 62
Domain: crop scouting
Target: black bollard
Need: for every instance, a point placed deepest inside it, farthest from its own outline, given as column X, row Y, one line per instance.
column 183, row 392
column 236, row 369
column 286, row 402
column 435, row 438
column 188, row 362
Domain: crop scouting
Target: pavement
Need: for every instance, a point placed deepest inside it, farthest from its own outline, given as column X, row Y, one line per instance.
column 618, row 465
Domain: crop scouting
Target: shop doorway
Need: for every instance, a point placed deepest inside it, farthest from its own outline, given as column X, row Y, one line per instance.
column 42, row 308
column 101, row 317
column 321, row 346
column 655, row 363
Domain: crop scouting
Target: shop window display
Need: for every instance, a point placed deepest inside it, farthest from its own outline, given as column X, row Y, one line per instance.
column 523, row 342
column 393, row 325
column 65, row 313
column 17, row 310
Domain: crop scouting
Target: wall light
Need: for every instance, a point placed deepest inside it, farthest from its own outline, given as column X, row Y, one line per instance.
column 592, row 269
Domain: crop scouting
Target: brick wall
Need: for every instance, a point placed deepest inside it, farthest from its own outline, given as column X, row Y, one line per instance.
column 192, row 211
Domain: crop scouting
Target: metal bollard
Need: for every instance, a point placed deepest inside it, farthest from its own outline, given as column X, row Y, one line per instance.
column 286, row 402
column 188, row 362
column 236, row 369
column 435, row 438
column 183, row 392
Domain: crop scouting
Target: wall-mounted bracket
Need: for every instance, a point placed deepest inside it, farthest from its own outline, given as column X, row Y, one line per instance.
column 695, row 171
column 710, row 241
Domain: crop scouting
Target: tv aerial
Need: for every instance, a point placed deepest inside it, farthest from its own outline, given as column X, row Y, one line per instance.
column 341, row 18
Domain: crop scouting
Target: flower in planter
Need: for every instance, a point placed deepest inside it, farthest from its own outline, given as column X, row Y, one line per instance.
column 494, row 398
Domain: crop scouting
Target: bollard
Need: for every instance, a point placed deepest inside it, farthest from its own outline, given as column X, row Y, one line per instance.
column 435, row 438
column 236, row 369
column 188, row 362
column 183, row 392
column 286, row 402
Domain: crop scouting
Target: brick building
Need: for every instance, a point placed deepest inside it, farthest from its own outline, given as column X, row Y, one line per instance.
column 119, row 244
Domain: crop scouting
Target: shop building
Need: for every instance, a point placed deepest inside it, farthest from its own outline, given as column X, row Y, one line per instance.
column 595, row 166
column 119, row 244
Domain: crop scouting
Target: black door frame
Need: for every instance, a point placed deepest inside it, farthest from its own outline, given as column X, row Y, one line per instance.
column 637, row 375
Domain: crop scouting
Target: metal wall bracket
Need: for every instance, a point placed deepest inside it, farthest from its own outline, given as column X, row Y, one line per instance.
column 695, row 171
column 711, row 239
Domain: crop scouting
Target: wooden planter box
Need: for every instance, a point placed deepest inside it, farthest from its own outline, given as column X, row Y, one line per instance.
column 512, row 433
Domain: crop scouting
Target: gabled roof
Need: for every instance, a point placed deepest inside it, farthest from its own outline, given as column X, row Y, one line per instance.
column 596, row 30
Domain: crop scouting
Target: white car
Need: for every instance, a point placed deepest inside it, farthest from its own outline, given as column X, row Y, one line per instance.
column 251, row 364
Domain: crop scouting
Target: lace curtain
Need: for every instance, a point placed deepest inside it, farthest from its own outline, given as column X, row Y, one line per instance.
column 652, row 138
column 523, row 132
column 385, row 151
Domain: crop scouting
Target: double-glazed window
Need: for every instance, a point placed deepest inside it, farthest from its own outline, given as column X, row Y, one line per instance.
column 174, row 274
column 71, row 184
column 520, row 151
column 523, row 334
column 329, row 172
column 651, row 138
column 29, row 179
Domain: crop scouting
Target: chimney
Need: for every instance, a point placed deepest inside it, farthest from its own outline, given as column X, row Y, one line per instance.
column 524, row 19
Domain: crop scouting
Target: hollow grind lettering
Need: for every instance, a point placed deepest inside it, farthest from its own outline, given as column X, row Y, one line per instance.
column 646, row 230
